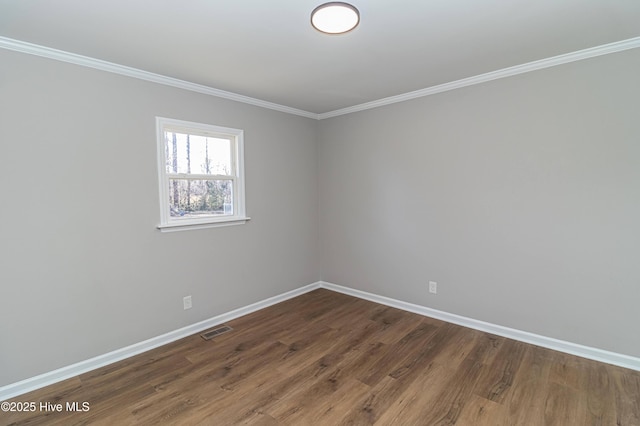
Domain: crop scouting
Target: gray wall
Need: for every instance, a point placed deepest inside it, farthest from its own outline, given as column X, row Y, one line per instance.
column 83, row 269
column 520, row 197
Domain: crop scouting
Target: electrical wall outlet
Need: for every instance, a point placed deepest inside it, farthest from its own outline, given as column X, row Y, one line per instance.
column 186, row 302
column 433, row 287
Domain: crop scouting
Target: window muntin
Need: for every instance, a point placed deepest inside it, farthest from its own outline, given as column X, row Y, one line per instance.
column 200, row 169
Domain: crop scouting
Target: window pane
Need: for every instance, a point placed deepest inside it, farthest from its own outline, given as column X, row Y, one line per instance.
column 197, row 154
column 196, row 198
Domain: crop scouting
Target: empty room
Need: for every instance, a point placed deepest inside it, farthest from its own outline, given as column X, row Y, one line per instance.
column 308, row 213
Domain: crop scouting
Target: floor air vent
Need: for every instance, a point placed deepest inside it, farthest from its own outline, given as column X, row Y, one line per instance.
column 210, row 334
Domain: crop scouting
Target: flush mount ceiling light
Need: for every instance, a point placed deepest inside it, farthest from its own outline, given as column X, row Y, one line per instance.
column 335, row 18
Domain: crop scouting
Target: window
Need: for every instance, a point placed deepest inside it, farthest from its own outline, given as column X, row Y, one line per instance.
column 201, row 174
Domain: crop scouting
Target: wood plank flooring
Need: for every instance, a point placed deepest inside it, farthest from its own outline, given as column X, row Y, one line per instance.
column 325, row 358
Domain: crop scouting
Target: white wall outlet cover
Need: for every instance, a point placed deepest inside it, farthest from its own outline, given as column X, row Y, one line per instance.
column 186, row 302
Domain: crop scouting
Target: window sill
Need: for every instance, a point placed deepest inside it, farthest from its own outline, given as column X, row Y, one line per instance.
column 191, row 225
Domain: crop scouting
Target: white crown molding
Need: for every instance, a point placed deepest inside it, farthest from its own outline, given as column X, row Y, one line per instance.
column 59, row 55
column 579, row 55
column 596, row 354
column 14, row 389
column 85, row 61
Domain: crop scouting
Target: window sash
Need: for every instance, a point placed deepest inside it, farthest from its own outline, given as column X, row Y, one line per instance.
column 199, row 214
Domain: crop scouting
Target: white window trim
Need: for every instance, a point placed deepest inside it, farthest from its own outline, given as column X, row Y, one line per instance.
column 169, row 224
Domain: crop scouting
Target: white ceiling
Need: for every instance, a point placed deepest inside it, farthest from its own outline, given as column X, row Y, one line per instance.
column 269, row 51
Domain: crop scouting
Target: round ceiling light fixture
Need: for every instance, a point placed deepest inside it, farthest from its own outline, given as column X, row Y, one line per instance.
column 335, row 18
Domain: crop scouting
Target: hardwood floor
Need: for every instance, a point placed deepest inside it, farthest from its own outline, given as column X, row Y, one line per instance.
column 325, row 358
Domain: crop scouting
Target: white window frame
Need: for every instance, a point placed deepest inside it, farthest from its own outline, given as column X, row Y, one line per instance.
column 239, row 217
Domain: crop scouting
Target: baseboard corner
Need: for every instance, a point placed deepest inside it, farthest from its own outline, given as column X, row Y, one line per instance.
column 596, row 354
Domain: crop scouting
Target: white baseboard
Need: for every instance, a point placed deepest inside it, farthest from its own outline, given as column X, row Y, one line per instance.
column 14, row 389
column 596, row 354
